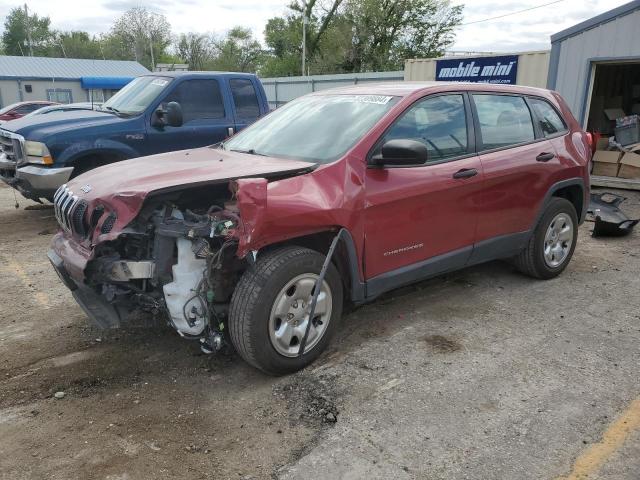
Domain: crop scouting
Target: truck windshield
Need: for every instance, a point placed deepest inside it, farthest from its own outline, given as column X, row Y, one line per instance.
column 317, row 128
column 137, row 95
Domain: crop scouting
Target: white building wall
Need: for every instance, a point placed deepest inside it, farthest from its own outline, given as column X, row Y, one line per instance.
column 8, row 92
column 40, row 87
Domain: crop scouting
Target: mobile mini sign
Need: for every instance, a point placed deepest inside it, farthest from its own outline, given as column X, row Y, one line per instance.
column 479, row 70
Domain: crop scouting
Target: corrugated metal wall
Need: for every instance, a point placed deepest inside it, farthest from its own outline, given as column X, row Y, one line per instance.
column 280, row 90
column 618, row 38
column 533, row 68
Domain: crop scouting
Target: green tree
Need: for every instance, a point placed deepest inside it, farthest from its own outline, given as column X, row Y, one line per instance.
column 140, row 35
column 283, row 36
column 386, row 32
column 195, row 49
column 19, row 26
column 237, row 51
column 359, row 35
column 76, row 44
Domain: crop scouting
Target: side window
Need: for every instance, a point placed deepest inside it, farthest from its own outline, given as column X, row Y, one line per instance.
column 438, row 122
column 245, row 98
column 31, row 107
column 504, row 120
column 199, row 99
column 548, row 118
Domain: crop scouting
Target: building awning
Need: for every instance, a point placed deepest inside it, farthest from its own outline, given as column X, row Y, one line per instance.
column 110, row 83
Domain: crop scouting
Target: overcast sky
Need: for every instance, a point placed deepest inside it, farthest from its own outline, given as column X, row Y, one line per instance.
column 524, row 31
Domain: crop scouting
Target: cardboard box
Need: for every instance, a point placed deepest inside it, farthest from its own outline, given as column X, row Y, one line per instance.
column 602, row 143
column 606, row 163
column 635, row 148
column 630, row 166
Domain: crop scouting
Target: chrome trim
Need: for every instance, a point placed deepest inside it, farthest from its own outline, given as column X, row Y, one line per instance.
column 12, row 139
column 64, row 203
column 44, row 178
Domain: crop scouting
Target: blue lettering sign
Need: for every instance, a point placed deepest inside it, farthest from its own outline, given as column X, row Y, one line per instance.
column 502, row 69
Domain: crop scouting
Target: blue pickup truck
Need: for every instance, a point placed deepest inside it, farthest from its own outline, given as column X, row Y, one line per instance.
column 155, row 113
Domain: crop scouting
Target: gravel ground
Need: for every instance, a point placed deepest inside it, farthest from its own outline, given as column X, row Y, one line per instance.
column 482, row 374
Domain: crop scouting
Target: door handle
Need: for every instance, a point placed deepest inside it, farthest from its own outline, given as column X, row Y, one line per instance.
column 544, row 157
column 465, row 173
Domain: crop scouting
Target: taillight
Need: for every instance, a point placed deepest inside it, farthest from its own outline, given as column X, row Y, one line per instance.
column 590, row 140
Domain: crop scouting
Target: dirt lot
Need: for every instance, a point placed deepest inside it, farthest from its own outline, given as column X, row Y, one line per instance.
column 483, row 374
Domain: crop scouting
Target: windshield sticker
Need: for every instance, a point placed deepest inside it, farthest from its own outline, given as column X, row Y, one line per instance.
column 377, row 99
column 160, row 82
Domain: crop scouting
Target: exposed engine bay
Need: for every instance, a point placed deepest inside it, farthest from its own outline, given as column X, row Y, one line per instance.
column 176, row 261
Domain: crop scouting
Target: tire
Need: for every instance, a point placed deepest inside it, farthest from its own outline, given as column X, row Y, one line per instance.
column 255, row 316
column 532, row 260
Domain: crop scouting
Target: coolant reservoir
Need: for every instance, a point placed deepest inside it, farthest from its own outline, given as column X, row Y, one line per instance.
column 180, row 295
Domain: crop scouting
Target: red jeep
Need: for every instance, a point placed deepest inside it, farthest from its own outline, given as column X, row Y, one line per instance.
column 338, row 196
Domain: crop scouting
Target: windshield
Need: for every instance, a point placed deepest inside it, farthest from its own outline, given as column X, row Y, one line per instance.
column 137, row 95
column 318, row 128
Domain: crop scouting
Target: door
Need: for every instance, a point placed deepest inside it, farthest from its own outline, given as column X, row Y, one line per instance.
column 517, row 163
column 205, row 119
column 245, row 102
column 421, row 220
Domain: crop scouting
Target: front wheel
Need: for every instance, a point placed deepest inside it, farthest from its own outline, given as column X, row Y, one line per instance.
column 270, row 310
column 551, row 246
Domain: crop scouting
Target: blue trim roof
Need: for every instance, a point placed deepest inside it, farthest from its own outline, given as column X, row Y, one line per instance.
column 596, row 21
column 110, row 83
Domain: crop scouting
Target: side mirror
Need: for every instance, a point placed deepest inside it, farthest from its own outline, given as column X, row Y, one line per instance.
column 401, row 153
column 174, row 114
column 171, row 115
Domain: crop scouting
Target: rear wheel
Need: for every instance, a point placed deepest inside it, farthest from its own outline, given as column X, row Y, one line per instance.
column 270, row 310
column 553, row 242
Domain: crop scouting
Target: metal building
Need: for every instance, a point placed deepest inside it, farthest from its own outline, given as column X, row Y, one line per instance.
column 595, row 65
column 64, row 80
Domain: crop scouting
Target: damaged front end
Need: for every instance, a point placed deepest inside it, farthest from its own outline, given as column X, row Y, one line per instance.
column 176, row 262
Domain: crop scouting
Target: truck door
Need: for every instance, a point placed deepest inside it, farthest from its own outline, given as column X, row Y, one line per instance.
column 245, row 102
column 206, row 118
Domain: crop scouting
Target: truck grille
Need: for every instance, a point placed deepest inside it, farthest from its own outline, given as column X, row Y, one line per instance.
column 69, row 211
column 11, row 146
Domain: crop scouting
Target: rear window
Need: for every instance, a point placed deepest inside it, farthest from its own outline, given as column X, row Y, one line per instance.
column 245, row 98
column 199, row 99
column 504, row 120
column 547, row 117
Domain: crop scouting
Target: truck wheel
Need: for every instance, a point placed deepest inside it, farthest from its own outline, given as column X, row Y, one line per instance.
column 270, row 310
column 551, row 246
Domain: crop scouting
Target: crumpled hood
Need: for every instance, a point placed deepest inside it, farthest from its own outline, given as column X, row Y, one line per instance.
column 39, row 127
column 167, row 171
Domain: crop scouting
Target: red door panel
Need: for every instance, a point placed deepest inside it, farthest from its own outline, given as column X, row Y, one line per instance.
column 413, row 214
column 515, row 184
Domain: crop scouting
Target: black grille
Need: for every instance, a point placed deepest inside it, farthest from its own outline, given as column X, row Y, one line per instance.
column 95, row 216
column 107, row 225
column 77, row 219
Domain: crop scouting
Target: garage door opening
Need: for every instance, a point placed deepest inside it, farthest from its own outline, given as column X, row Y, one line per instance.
column 615, row 87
